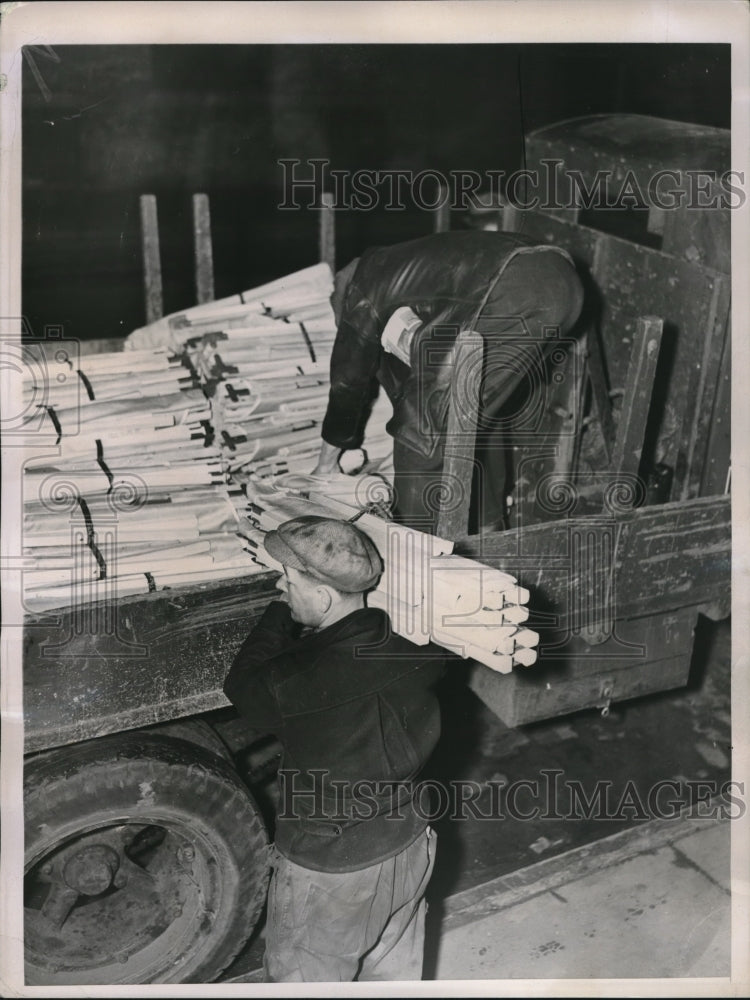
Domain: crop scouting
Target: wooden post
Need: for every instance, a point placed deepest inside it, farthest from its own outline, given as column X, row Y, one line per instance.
column 636, row 403
column 599, row 391
column 204, row 259
column 443, row 210
column 566, row 458
column 511, row 219
column 327, row 231
column 460, row 437
column 151, row 259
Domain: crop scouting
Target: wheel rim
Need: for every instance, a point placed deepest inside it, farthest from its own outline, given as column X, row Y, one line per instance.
column 152, row 926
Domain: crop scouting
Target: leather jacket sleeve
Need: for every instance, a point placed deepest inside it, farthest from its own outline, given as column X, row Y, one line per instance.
column 354, row 363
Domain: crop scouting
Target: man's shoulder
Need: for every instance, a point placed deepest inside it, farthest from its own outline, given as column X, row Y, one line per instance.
column 370, row 631
column 365, row 637
column 443, row 243
column 394, row 654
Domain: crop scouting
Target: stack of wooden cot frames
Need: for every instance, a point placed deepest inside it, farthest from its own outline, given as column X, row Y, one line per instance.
column 173, row 457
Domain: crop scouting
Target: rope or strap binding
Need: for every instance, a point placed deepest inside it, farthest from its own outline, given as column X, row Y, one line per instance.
column 103, row 465
column 91, row 537
column 85, row 380
column 310, row 347
column 55, row 422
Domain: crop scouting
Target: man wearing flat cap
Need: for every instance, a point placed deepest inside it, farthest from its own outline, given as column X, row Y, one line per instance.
column 353, row 707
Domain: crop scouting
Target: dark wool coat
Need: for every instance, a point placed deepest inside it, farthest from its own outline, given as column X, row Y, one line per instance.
column 354, row 709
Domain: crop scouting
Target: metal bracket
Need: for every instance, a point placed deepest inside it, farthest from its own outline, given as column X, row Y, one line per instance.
column 606, row 692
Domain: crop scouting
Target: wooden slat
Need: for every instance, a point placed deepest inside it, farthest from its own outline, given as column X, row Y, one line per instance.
column 204, row 260
column 636, row 403
column 595, row 360
column 460, row 437
column 327, row 231
column 599, row 389
column 442, row 216
column 566, row 459
column 711, row 415
column 151, row 258
column 511, row 219
column 549, row 456
column 717, row 453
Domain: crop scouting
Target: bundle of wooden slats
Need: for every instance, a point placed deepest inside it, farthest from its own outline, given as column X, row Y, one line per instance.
column 299, row 297
column 130, row 496
column 146, row 442
column 263, row 357
column 142, row 490
column 429, row 593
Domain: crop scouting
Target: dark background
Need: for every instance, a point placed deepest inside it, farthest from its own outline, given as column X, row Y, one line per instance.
column 104, row 124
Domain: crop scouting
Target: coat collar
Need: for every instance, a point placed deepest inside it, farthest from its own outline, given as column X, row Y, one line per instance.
column 353, row 624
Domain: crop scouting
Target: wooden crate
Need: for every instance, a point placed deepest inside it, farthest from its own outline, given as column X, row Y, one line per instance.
column 625, row 281
column 638, row 150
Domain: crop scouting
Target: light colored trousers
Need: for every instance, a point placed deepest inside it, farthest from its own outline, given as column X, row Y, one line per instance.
column 337, row 927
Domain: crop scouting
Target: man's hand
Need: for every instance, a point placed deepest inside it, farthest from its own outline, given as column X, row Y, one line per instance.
column 328, row 460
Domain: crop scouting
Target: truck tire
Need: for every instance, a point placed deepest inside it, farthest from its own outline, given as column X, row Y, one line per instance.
column 146, row 862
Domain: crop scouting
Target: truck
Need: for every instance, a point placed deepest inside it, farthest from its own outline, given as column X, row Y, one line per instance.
column 146, row 852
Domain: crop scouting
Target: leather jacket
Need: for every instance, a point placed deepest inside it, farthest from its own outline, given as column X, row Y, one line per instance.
column 449, row 280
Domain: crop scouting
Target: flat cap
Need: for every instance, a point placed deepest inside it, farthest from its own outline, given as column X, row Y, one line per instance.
column 334, row 552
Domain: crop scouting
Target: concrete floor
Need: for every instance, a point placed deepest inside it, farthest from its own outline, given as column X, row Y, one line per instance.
column 647, row 903
column 651, row 905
